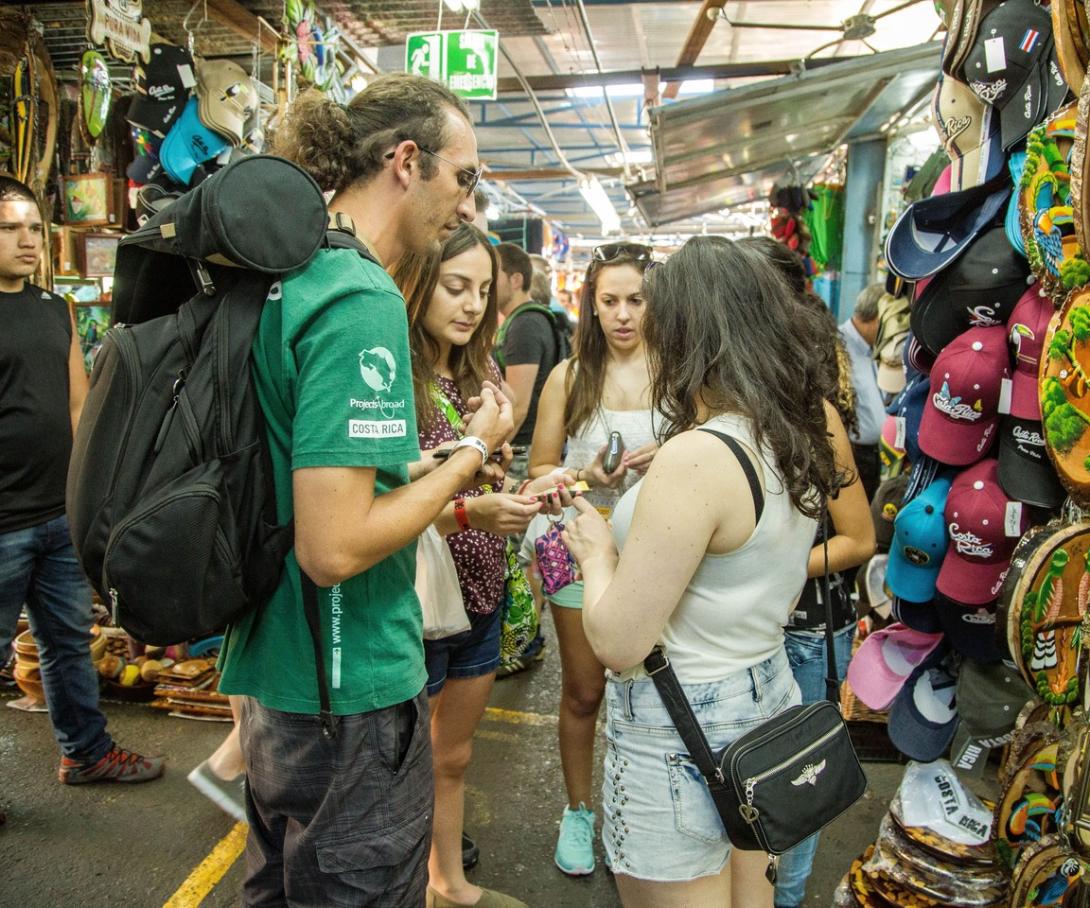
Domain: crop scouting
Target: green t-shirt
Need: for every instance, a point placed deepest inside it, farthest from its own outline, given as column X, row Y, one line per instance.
column 332, row 371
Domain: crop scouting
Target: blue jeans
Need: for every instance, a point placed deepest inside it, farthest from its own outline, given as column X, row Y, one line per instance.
column 806, row 653
column 38, row 567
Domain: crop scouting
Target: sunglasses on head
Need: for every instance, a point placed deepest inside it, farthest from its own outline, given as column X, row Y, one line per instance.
column 611, row 251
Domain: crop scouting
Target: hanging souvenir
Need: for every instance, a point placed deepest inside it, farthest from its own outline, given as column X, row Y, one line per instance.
column 1075, row 763
column 95, row 92
column 1028, row 808
column 1080, row 162
column 1064, row 387
column 1045, row 207
column 1048, row 873
column 312, row 48
column 24, row 120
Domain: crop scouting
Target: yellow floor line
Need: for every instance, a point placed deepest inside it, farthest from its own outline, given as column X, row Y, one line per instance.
column 515, row 717
column 211, row 870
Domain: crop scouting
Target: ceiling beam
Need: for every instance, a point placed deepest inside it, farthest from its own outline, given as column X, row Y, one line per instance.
column 233, row 15
column 671, row 74
column 699, row 32
column 548, row 173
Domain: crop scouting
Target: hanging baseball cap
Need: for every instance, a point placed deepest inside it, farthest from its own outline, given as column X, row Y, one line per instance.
column 162, row 87
column 1026, row 330
column 1025, row 472
column 984, row 526
column 871, row 581
column 189, row 144
column 959, row 422
column 970, row 630
column 969, row 131
column 924, row 715
column 920, row 616
column 891, row 445
column 979, row 289
column 907, row 409
column 933, row 232
column 884, row 508
column 227, row 98
column 919, row 544
column 1008, row 66
column 917, row 359
column 893, row 319
column 989, row 698
column 885, row 660
column 1016, row 163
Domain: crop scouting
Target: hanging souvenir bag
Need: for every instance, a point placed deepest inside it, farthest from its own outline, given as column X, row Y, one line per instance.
column 792, row 775
column 554, row 560
column 520, row 621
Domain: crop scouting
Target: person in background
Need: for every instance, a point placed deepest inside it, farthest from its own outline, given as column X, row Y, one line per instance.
column 858, row 334
column 604, row 387
column 564, row 297
column 480, row 219
column 43, row 385
column 851, row 543
column 451, row 298
column 340, row 806
column 713, row 548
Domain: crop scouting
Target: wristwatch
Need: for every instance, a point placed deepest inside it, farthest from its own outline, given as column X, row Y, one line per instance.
column 472, row 441
column 460, row 513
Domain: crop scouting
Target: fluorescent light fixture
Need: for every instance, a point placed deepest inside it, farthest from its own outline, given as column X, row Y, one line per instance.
column 697, row 87
column 626, row 90
column 595, row 196
column 635, row 156
column 491, row 212
column 459, row 6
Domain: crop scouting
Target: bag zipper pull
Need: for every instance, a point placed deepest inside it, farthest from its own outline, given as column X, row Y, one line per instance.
column 773, row 869
column 176, row 390
column 113, row 601
column 748, row 811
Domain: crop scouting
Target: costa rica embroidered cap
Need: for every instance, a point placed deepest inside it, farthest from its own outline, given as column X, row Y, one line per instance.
column 962, row 413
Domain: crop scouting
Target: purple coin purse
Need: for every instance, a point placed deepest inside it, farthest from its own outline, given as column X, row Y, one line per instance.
column 554, row 561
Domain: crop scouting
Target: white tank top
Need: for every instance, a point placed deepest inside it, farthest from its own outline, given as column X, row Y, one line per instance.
column 637, row 428
column 732, row 613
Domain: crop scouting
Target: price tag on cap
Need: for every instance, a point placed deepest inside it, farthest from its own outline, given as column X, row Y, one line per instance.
column 902, row 429
column 995, row 54
column 185, row 73
column 1012, row 522
column 1006, row 388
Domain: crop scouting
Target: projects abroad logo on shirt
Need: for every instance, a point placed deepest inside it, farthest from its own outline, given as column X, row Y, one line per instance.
column 378, row 369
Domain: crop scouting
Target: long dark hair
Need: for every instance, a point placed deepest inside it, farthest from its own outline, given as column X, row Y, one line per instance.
column 586, row 378
column 471, row 365
column 836, row 366
column 722, row 327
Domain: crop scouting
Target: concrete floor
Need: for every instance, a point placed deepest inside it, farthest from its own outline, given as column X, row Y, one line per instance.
column 109, row 846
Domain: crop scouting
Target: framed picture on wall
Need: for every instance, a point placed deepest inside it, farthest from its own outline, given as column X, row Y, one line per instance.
column 92, row 320
column 96, row 253
column 78, row 290
column 87, row 199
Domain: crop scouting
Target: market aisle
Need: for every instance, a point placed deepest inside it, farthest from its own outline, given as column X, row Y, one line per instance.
column 107, row 846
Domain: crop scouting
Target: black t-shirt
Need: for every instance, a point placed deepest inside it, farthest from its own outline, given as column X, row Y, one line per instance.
column 530, row 339
column 35, row 426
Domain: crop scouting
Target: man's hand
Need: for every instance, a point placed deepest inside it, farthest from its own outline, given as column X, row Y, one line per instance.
column 492, row 420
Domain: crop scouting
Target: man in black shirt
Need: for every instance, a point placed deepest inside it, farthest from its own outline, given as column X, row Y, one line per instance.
column 42, row 388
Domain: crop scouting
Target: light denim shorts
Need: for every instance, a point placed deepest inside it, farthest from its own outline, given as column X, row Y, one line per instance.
column 660, row 822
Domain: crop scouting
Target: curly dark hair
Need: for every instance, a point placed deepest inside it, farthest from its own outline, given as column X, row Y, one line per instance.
column 723, row 328
column 836, row 366
column 340, row 145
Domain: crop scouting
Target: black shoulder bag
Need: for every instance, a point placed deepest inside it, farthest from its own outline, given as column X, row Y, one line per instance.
column 790, row 776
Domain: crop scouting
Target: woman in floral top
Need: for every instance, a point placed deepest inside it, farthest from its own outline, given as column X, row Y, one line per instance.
column 452, row 322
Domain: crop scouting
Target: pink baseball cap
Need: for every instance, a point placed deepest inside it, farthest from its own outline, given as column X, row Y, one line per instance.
column 984, row 526
column 1026, row 329
column 884, row 661
column 962, row 412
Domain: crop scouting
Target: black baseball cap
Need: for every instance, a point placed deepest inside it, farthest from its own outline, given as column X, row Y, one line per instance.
column 969, row 629
column 989, row 697
column 978, row 289
column 884, row 507
column 1008, row 66
column 1025, row 472
column 162, row 86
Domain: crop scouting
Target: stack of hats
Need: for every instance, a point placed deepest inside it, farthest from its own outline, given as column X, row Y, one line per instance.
column 189, row 114
column 933, row 848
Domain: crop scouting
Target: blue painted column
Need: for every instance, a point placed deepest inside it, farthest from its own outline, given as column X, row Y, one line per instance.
column 866, row 167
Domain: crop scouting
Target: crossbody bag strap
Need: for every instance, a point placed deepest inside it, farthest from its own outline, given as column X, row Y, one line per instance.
column 657, row 664
column 832, row 682
column 310, row 609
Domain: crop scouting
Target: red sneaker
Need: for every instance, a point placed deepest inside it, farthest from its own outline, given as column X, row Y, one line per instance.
column 119, row 765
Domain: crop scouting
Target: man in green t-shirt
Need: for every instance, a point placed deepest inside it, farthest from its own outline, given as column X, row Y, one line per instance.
column 344, row 818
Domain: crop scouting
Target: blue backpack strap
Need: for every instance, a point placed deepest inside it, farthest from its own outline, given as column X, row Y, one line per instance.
column 747, row 467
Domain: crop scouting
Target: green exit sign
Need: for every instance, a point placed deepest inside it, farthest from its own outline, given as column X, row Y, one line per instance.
column 464, row 61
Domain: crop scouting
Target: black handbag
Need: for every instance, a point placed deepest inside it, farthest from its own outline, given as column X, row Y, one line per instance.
column 791, row 776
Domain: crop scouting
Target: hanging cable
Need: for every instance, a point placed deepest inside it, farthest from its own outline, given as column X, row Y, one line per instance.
column 621, row 144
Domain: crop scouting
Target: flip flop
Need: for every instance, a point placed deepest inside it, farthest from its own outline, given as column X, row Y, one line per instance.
column 27, row 705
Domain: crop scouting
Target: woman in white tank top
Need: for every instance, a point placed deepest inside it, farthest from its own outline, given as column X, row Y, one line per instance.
column 699, row 570
column 603, row 388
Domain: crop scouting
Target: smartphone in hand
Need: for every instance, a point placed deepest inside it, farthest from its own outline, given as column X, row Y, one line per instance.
column 614, row 453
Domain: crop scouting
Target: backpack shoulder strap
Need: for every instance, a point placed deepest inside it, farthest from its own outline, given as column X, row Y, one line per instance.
column 747, row 468
column 341, row 234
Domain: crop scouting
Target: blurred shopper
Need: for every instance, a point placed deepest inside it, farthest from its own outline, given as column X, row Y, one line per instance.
column 699, row 571
column 858, row 334
column 603, row 388
column 850, row 544
column 42, row 388
column 340, row 805
column 222, row 777
column 451, row 297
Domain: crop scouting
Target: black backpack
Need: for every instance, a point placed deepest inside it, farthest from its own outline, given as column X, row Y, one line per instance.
column 561, row 328
column 170, row 495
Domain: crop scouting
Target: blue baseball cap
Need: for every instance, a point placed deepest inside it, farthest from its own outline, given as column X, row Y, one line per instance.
column 189, row 144
column 932, row 232
column 909, row 406
column 1011, row 224
column 920, row 616
column 919, row 544
column 924, row 716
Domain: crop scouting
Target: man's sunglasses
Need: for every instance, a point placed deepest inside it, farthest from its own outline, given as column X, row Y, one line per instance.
column 467, row 179
column 610, row 251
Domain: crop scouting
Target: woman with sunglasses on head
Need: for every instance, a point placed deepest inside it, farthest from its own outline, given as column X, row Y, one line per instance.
column 851, row 543
column 451, row 300
column 603, row 388
column 714, row 548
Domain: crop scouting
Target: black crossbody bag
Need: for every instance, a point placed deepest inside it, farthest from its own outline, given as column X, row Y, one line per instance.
column 792, row 775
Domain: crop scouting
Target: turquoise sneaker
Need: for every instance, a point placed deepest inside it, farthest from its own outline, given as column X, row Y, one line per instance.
column 575, row 847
